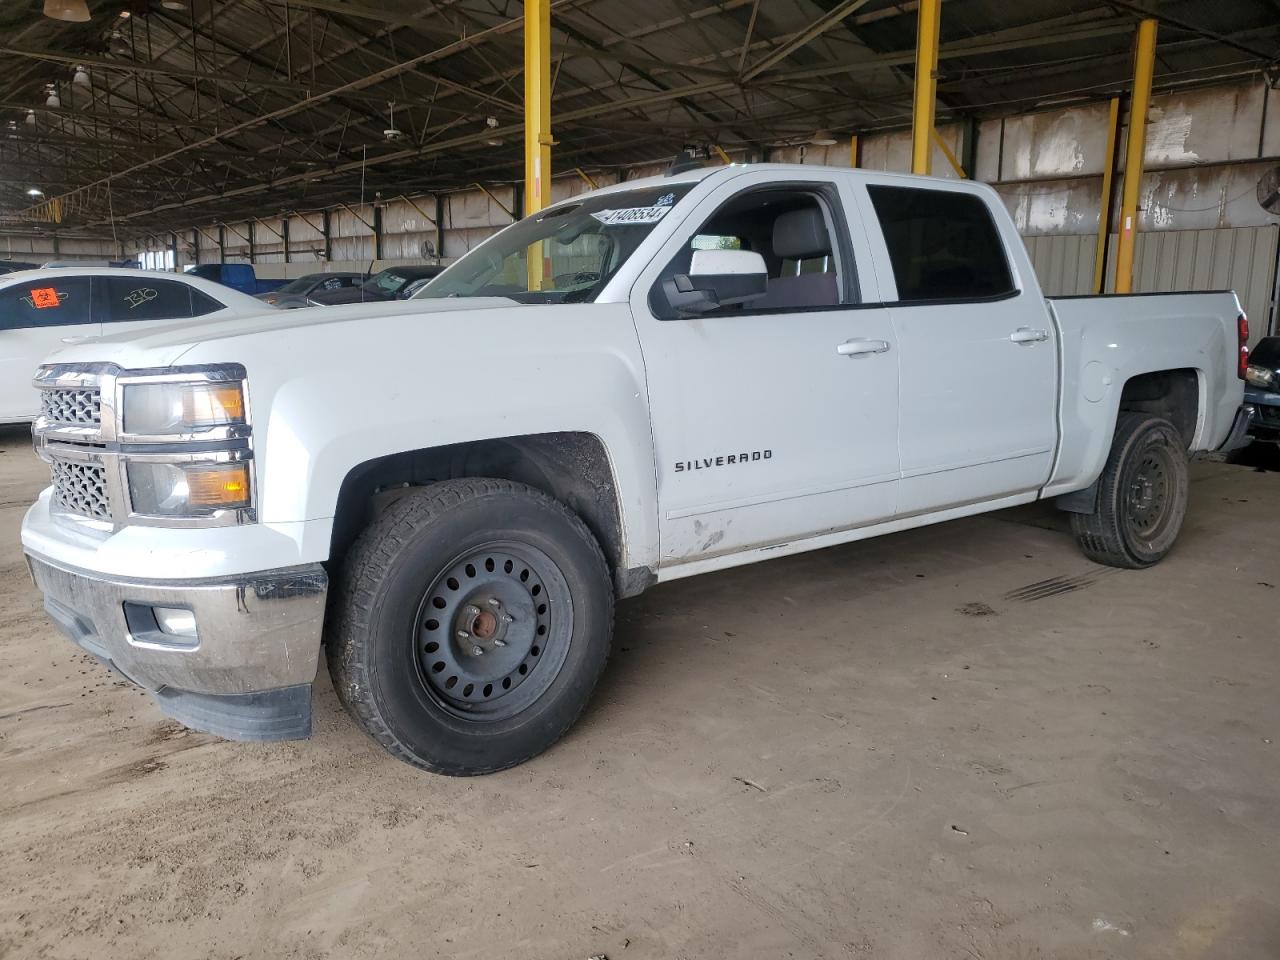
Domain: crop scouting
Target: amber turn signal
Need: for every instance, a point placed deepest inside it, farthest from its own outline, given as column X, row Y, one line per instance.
column 223, row 486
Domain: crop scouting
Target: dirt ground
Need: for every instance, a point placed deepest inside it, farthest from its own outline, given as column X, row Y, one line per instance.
column 963, row 741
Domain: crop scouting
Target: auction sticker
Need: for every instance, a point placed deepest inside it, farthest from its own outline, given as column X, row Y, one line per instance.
column 630, row 215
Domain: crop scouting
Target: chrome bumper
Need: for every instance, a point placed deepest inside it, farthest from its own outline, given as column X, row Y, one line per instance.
column 246, row 675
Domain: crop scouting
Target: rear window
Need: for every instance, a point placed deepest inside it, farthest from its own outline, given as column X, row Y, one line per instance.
column 943, row 245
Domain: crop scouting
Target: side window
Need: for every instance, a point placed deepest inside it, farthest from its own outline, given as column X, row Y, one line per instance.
column 47, row 302
column 794, row 230
column 202, row 303
column 943, row 245
column 335, row 283
column 146, row 298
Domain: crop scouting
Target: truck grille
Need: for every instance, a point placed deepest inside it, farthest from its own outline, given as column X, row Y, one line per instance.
column 76, row 407
column 81, row 488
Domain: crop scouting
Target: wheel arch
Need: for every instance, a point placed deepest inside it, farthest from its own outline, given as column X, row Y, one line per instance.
column 1174, row 394
column 573, row 467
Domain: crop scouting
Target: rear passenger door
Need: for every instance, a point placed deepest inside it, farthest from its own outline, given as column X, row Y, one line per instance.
column 35, row 318
column 978, row 353
column 131, row 302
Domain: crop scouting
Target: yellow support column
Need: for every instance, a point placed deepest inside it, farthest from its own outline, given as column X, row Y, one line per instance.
column 537, row 121
column 926, row 89
column 1104, row 210
column 1144, row 62
column 853, row 151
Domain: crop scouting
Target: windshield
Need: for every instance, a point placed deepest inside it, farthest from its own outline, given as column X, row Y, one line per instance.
column 566, row 254
column 387, row 283
column 301, row 285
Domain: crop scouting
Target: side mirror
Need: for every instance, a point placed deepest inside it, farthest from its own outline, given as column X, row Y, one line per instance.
column 718, row 278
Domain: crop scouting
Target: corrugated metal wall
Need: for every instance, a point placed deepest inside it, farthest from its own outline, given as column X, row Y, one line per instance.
column 1241, row 259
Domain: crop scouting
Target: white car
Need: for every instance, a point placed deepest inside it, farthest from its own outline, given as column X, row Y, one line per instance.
column 42, row 310
column 659, row 379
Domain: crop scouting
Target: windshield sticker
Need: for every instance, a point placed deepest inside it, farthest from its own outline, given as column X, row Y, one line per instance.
column 137, row 298
column 44, row 297
column 666, row 200
column 630, row 215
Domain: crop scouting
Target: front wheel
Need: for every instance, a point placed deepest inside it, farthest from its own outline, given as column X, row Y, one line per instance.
column 1142, row 495
column 474, row 622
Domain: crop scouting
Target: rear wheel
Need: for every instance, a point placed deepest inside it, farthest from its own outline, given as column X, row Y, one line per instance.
column 1142, row 495
column 474, row 622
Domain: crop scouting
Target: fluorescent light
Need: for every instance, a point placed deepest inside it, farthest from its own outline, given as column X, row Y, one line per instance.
column 35, row 192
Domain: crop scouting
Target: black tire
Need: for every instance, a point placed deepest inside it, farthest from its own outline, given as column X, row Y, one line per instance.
column 427, row 572
column 1142, row 495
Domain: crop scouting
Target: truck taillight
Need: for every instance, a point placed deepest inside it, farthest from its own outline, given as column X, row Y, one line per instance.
column 1242, row 332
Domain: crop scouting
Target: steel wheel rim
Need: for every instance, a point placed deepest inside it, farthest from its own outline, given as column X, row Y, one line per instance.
column 1149, row 493
column 493, row 630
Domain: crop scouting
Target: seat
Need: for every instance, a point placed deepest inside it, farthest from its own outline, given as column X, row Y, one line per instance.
column 800, row 235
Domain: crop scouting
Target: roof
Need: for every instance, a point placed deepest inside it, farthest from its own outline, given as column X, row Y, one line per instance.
column 248, row 108
column 220, row 292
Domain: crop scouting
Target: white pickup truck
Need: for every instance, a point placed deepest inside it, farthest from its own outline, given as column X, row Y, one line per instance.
column 663, row 378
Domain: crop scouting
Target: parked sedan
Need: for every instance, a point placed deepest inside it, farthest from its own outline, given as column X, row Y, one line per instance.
column 1262, row 389
column 393, row 283
column 40, row 310
column 295, row 293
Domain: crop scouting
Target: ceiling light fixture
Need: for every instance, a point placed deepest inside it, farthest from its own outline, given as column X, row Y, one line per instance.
column 53, row 99
column 31, row 118
column 81, row 79
column 391, row 133
column 72, row 11
column 822, row 138
column 492, row 124
column 35, row 192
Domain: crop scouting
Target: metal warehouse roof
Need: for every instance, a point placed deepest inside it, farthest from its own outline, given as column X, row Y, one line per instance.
column 202, row 109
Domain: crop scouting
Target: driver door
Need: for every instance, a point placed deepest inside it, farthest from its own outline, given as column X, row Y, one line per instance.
column 768, row 426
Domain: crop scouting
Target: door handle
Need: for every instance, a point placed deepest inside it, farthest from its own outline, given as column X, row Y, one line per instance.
column 859, row 347
column 1027, row 335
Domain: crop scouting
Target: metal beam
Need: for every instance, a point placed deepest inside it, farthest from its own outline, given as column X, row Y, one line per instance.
column 947, row 152
column 354, row 85
column 1144, row 61
column 537, row 121
column 815, row 30
column 928, row 23
column 1105, row 207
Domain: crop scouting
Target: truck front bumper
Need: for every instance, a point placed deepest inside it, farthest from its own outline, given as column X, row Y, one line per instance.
column 247, row 672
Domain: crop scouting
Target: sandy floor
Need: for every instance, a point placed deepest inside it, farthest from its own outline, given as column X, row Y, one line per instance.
column 897, row 749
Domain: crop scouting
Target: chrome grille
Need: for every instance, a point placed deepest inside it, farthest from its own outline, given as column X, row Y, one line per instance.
column 81, row 488
column 78, row 407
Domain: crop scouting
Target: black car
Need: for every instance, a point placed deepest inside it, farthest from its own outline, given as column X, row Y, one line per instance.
column 1262, row 389
column 393, row 283
column 296, row 293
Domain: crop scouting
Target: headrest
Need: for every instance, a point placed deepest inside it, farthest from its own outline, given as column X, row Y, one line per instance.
column 801, row 235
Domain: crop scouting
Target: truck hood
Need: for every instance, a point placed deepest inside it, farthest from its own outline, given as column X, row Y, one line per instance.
column 163, row 345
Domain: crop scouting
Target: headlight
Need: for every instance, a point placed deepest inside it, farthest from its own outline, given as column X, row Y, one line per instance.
column 187, row 489
column 1260, row 376
column 166, row 409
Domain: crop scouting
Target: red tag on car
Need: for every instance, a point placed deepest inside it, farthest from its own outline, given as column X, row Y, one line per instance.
column 44, row 297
